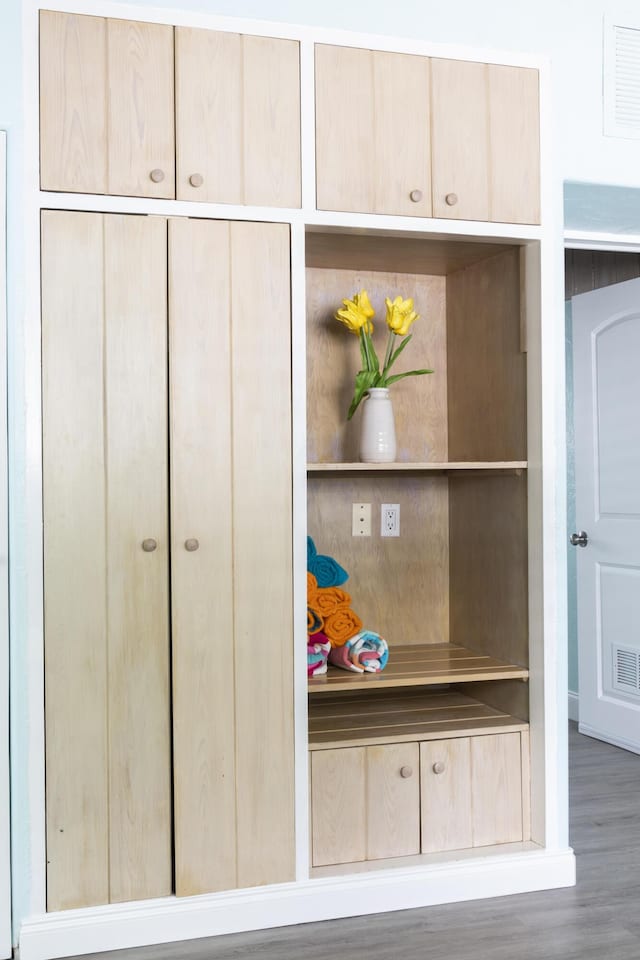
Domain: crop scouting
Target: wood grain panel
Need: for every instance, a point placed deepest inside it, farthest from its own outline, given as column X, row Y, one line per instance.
column 487, row 400
column 73, row 105
column 201, row 580
column 345, row 119
column 338, row 804
column 399, row 586
column 140, row 108
column 333, row 359
column 74, row 560
column 459, row 136
column 137, row 509
column 446, row 797
column 393, row 801
column 514, row 139
column 489, row 565
column 496, row 786
column 209, row 115
column 401, row 96
column 262, row 524
column 271, row 142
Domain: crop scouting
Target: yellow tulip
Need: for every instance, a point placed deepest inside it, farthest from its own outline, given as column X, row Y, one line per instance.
column 400, row 315
column 356, row 314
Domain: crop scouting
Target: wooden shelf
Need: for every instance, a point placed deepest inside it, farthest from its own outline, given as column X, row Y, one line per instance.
column 420, row 665
column 445, row 467
column 350, row 721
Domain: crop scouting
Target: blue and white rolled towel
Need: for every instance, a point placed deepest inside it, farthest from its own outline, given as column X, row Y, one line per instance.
column 366, row 652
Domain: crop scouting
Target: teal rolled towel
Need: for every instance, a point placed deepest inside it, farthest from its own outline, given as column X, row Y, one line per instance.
column 326, row 570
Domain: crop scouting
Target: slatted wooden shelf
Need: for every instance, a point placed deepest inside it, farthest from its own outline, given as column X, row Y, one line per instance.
column 443, row 467
column 420, row 665
column 349, row 721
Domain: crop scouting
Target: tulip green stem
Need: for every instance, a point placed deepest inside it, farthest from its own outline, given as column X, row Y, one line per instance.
column 387, row 355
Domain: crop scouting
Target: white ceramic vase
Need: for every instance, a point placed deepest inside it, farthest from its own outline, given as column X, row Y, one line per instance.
column 378, row 429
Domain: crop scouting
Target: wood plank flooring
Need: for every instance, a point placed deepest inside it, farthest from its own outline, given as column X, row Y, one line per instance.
column 599, row 918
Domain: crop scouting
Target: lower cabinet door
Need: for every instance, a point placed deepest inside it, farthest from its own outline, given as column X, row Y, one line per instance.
column 445, row 778
column 496, row 788
column 393, row 800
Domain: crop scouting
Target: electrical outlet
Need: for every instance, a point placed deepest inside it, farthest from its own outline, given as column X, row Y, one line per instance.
column 361, row 520
column 390, row 520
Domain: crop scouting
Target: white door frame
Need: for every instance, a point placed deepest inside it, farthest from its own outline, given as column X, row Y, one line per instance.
column 612, row 243
column 5, row 861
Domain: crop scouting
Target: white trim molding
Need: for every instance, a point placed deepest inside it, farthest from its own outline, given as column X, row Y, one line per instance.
column 167, row 920
column 574, row 706
column 588, row 731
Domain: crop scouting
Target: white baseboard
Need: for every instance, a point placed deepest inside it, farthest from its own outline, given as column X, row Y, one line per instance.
column 631, row 745
column 114, row 927
column 574, row 706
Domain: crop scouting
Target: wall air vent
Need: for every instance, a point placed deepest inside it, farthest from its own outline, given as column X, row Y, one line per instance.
column 622, row 78
column 626, row 670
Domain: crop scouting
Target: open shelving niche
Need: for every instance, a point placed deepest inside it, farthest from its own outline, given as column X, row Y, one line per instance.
column 450, row 594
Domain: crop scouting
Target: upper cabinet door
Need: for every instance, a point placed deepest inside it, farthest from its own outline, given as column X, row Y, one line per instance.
column 372, row 132
column 106, row 106
column 486, row 150
column 140, row 112
column 238, row 118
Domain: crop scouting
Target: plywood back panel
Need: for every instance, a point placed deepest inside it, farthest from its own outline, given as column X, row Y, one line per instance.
column 399, row 586
column 201, row 580
column 485, row 365
column 488, row 565
column 420, row 403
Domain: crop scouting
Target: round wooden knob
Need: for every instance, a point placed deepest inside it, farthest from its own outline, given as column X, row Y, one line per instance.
column 191, row 544
column 451, row 199
column 438, row 767
column 149, row 545
column 157, row 176
column 196, row 179
column 416, row 196
column 406, row 772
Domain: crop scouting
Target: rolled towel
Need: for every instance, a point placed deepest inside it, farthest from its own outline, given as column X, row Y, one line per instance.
column 317, row 655
column 339, row 657
column 366, row 652
column 342, row 625
column 315, row 623
column 329, row 599
column 326, row 570
column 312, row 590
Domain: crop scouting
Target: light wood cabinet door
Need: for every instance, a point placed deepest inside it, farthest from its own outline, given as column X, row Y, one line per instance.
column 445, row 785
column 393, row 800
column 238, row 118
column 369, row 106
column 338, row 806
column 485, row 142
column 108, row 750
column 106, row 106
column 496, row 786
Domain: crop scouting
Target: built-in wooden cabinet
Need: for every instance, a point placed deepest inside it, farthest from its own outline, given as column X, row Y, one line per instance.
column 132, row 597
column 107, row 107
column 408, row 135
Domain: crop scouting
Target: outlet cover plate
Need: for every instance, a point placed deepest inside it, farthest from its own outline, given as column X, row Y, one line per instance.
column 390, row 520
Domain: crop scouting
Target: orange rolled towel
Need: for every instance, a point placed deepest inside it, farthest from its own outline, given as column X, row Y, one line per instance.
column 315, row 623
column 329, row 599
column 312, row 590
column 341, row 626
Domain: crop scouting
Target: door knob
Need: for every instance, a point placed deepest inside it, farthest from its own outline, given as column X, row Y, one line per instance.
column 438, row 767
column 451, row 199
column 579, row 539
column 149, row 545
column 415, row 196
column 191, row 544
column 196, row 179
column 157, row 176
column 406, row 772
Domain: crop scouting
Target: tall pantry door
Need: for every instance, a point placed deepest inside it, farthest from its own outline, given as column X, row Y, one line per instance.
column 231, row 515
column 105, row 477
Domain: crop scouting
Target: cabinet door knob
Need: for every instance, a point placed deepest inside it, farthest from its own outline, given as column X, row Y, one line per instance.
column 149, row 545
column 406, row 772
column 438, row 767
column 451, row 199
column 157, row 175
column 191, row 544
column 196, row 179
column 416, row 196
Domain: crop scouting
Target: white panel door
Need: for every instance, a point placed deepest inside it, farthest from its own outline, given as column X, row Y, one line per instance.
column 606, row 356
column 5, row 873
